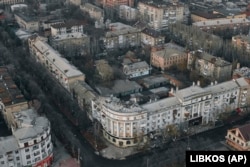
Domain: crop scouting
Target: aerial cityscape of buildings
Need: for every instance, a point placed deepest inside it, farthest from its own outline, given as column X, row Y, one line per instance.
column 119, row 62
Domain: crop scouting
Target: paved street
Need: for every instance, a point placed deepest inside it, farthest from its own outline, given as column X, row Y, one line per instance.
column 209, row 140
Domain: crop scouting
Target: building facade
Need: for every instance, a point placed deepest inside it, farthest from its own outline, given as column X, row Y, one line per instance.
column 168, row 56
column 209, row 66
column 126, row 123
column 137, row 69
column 150, row 37
column 117, row 3
column 238, row 138
column 128, row 13
column 158, row 14
column 30, row 144
column 59, row 67
column 10, row 2
column 121, row 36
column 30, row 24
column 94, row 12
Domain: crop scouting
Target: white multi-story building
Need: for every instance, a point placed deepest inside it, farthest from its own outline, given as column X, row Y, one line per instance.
column 30, row 144
column 159, row 14
column 58, row 66
column 127, row 123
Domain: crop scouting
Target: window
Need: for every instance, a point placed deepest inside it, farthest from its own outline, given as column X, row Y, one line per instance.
column 26, row 150
column 48, row 145
column 26, row 144
column 2, row 162
column 28, row 162
column 17, row 158
column 16, row 151
column 27, row 156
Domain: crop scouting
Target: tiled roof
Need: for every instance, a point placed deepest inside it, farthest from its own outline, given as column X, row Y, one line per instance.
column 245, row 131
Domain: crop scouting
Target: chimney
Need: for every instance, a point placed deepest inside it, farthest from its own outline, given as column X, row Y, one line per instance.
column 177, row 88
column 215, row 82
column 193, row 83
column 212, row 83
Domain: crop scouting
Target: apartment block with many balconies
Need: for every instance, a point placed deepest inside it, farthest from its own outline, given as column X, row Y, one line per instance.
column 30, row 144
column 209, row 66
column 159, row 14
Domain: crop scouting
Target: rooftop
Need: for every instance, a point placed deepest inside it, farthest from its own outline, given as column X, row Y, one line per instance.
column 120, row 86
column 54, row 57
column 73, row 35
column 208, row 15
column 245, row 131
column 191, row 92
column 162, row 104
column 217, row 61
column 152, row 80
column 120, row 28
column 159, row 3
column 222, row 87
column 29, row 125
column 152, row 33
column 221, row 22
column 130, row 68
column 69, row 24
column 8, row 144
column 169, row 52
column 9, row 93
column 116, row 104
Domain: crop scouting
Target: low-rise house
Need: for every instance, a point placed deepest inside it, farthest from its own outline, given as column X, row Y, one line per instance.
column 151, row 37
column 154, row 82
column 239, row 138
column 197, row 16
column 121, row 36
column 209, row 66
column 137, row 69
column 168, row 56
column 58, row 66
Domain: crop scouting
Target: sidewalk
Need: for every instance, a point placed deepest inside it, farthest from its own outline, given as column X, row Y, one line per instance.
column 62, row 157
column 113, row 152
